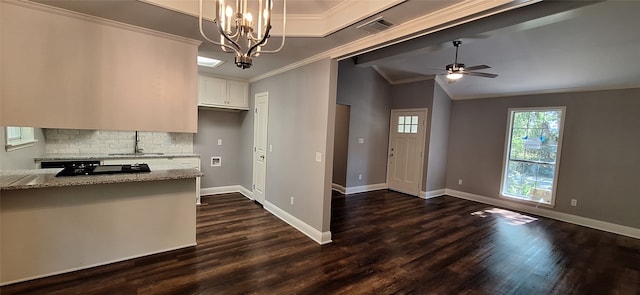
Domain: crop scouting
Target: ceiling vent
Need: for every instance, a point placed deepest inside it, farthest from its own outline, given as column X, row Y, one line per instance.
column 375, row 25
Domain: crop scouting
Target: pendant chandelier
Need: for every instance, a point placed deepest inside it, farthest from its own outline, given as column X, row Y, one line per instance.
column 239, row 32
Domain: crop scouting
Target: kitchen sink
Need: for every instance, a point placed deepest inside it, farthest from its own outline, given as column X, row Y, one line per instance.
column 136, row 154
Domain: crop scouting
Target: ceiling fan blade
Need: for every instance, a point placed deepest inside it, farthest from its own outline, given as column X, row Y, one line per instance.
column 435, row 69
column 480, row 74
column 475, row 68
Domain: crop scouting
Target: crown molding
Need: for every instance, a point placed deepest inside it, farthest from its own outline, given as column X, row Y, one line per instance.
column 439, row 20
column 98, row 20
column 344, row 14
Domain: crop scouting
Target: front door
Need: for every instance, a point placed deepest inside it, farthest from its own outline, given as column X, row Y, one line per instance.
column 406, row 150
column 260, row 120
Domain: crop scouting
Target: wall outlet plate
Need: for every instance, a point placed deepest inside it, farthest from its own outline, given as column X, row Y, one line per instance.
column 216, row 161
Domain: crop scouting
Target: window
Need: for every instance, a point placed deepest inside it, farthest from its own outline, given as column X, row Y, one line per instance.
column 532, row 154
column 18, row 137
column 407, row 124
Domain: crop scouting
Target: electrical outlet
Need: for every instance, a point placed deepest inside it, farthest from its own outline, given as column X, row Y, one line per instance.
column 292, row 201
column 359, row 176
column 459, row 181
column 270, row 148
column 574, row 202
column 216, row 161
column 360, row 140
column 318, row 157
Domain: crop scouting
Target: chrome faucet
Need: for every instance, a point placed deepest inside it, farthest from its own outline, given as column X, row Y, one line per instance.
column 137, row 149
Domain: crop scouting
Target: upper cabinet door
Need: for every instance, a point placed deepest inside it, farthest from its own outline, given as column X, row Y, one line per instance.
column 97, row 75
column 238, row 94
column 222, row 94
column 211, row 91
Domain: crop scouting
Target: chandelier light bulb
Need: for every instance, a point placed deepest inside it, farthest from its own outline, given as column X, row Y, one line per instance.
column 229, row 11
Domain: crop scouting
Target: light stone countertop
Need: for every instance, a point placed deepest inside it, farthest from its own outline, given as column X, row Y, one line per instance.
column 44, row 178
column 81, row 157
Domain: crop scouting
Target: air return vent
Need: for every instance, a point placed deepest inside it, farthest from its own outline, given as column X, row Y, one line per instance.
column 375, row 25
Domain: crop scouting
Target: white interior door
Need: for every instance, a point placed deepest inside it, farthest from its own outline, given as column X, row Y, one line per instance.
column 260, row 121
column 406, row 150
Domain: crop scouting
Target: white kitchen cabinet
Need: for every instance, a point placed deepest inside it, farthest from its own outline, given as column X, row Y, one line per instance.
column 221, row 93
column 122, row 78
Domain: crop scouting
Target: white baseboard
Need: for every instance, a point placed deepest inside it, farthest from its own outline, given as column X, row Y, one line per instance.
column 432, row 194
column 570, row 218
column 227, row 189
column 365, row 188
column 316, row 235
column 245, row 192
column 338, row 188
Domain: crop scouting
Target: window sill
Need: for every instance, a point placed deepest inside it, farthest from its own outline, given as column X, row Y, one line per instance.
column 527, row 201
column 19, row 145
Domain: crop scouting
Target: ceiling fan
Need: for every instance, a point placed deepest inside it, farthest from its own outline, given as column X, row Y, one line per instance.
column 456, row 70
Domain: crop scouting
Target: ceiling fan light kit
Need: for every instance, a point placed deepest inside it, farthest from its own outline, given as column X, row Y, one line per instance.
column 239, row 33
column 456, row 70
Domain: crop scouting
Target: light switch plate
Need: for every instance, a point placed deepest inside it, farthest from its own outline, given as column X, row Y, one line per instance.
column 219, row 141
column 270, row 148
column 319, row 157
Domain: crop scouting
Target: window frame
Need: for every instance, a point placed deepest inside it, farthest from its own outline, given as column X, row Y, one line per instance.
column 507, row 148
column 27, row 138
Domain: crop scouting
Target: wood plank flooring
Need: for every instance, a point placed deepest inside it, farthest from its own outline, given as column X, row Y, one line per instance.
column 383, row 243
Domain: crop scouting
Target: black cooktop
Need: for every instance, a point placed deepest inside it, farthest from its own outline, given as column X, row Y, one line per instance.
column 102, row 169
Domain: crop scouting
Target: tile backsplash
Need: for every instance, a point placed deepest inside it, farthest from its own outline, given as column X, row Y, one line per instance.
column 70, row 141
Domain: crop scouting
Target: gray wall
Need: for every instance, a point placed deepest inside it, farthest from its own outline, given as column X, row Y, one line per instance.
column 438, row 140
column 21, row 158
column 214, row 125
column 412, row 96
column 341, row 145
column 599, row 161
column 301, row 122
column 368, row 95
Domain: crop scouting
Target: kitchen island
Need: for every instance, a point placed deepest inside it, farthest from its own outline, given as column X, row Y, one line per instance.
column 52, row 225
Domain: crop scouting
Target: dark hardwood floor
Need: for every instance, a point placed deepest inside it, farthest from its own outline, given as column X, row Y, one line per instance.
column 383, row 243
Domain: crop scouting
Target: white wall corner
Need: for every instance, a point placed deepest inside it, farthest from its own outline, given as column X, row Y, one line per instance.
column 432, row 194
column 316, row 235
column 366, row 188
column 226, row 190
column 570, row 218
column 338, row 188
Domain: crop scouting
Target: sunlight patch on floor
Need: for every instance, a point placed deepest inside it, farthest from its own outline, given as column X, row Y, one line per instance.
column 513, row 218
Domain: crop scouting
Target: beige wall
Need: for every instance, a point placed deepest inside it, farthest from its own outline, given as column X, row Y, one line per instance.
column 226, row 126
column 61, row 70
column 599, row 161
column 21, row 158
column 301, row 122
column 341, row 145
column 435, row 177
column 368, row 95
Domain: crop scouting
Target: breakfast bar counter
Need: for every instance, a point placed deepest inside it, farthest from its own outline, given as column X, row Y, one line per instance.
column 42, row 178
column 52, row 225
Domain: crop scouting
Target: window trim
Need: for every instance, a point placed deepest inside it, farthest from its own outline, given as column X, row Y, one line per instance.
column 507, row 145
column 23, row 142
